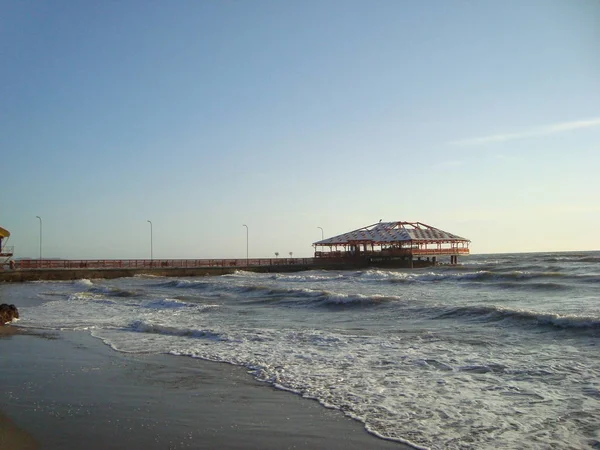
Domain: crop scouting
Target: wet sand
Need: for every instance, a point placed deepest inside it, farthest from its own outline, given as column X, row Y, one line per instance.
column 69, row 390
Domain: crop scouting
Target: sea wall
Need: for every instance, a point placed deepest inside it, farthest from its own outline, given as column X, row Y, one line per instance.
column 22, row 275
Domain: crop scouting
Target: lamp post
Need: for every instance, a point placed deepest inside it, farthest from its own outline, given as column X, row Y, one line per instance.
column 246, row 244
column 322, row 236
column 40, row 237
column 151, row 252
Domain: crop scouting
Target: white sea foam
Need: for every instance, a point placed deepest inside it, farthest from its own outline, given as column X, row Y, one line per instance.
column 308, row 277
column 165, row 303
column 142, row 326
column 84, row 282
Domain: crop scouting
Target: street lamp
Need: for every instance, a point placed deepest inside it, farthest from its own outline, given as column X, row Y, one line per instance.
column 40, row 236
column 246, row 244
column 151, row 252
column 322, row 236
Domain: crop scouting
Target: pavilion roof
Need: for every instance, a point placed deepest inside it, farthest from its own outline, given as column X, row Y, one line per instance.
column 390, row 232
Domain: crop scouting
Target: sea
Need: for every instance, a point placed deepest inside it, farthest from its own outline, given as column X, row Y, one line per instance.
column 501, row 351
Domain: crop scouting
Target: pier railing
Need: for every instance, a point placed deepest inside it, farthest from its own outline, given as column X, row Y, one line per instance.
column 328, row 258
column 156, row 263
column 442, row 251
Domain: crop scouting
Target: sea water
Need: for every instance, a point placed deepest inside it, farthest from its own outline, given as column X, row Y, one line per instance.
column 502, row 351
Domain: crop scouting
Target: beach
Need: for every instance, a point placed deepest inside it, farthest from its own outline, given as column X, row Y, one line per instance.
column 70, row 390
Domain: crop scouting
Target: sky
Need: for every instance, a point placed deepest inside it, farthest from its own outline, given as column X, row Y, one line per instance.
column 481, row 118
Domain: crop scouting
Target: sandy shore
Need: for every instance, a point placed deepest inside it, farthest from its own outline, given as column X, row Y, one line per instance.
column 69, row 390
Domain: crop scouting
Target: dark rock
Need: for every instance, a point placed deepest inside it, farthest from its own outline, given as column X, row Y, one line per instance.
column 8, row 313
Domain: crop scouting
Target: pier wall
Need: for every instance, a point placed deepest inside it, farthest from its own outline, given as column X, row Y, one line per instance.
column 57, row 270
column 22, row 275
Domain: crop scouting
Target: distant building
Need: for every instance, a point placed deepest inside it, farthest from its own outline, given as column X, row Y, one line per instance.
column 393, row 244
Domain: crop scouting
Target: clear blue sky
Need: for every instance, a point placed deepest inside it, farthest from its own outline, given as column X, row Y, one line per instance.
column 481, row 118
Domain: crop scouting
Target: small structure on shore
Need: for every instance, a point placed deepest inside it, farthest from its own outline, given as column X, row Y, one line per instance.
column 393, row 244
column 6, row 252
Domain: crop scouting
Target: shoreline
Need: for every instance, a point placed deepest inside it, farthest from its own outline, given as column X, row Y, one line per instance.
column 70, row 390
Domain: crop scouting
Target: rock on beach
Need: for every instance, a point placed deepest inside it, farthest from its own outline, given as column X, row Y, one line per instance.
column 8, row 313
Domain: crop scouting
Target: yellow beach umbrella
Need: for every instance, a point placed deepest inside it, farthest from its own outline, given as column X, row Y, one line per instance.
column 4, row 233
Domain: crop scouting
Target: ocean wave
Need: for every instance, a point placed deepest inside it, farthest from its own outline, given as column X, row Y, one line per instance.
column 590, row 259
column 497, row 313
column 142, row 326
column 531, row 286
column 54, row 294
column 330, row 298
column 241, row 273
column 479, row 276
column 308, row 277
column 249, row 291
column 487, row 275
column 84, row 282
column 166, row 303
column 262, row 292
column 113, row 292
column 185, row 284
column 573, row 259
column 386, row 275
column 313, row 297
column 87, row 295
column 590, row 278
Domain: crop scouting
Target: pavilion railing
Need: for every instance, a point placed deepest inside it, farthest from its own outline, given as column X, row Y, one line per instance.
column 397, row 252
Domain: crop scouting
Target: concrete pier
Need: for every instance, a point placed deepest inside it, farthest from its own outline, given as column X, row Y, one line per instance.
column 56, row 270
column 22, row 275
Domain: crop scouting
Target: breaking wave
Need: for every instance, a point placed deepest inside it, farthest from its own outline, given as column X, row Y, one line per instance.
column 532, row 286
column 113, row 292
column 497, row 313
column 263, row 293
column 166, row 303
column 308, row 277
column 142, row 326
column 479, row 276
column 315, row 297
column 185, row 284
